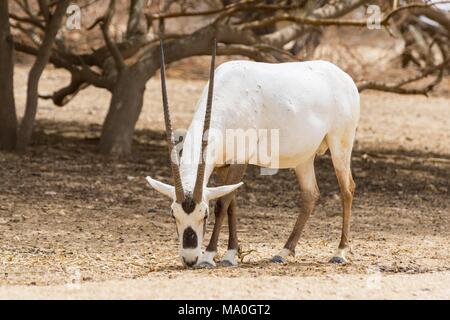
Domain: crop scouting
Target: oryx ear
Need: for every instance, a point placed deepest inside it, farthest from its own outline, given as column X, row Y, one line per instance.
column 164, row 188
column 217, row 192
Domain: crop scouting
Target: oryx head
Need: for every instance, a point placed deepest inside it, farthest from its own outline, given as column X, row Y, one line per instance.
column 190, row 208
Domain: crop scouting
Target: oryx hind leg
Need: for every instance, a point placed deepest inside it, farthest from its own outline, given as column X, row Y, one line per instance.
column 309, row 193
column 341, row 146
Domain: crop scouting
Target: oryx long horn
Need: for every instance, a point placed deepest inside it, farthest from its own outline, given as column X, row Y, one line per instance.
column 174, row 163
column 198, row 189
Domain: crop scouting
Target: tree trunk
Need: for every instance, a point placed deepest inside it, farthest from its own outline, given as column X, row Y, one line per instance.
column 8, row 118
column 26, row 127
column 125, row 107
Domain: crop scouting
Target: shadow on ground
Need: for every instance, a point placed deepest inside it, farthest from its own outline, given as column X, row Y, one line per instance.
column 62, row 205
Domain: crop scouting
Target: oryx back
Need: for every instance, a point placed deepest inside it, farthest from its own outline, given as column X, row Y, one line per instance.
column 305, row 101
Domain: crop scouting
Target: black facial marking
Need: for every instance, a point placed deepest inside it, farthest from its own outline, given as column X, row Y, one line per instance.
column 189, row 239
column 188, row 204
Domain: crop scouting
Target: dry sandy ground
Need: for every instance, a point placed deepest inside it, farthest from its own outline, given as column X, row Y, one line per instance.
column 374, row 286
column 74, row 224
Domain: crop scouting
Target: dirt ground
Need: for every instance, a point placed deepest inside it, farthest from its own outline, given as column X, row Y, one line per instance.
column 215, row 286
column 74, row 224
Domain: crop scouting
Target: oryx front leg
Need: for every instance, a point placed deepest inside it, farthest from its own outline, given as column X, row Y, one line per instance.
column 207, row 260
column 229, row 259
column 234, row 175
column 220, row 210
column 225, row 205
column 309, row 193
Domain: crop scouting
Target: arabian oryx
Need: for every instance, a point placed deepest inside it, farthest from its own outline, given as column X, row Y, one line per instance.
column 313, row 105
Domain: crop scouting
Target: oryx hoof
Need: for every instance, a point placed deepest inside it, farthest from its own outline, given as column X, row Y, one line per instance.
column 205, row 265
column 338, row 260
column 278, row 259
column 228, row 263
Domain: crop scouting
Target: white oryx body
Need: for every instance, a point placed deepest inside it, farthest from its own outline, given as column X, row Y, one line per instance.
column 313, row 105
column 305, row 101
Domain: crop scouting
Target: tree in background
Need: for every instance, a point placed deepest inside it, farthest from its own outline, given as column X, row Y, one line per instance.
column 262, row 30
column 8, row 119
column 50, row 26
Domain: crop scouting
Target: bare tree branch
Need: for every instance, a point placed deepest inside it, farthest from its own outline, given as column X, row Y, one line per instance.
column 248, row 51
column 328, row 22
column 64, row 95
column 8, row 118
column 43, row 56
column 398, row 87
column 249, row 5
column 43, row 7
column 136, row 21
column 35, row 22
column 337, row 9
column 104, row 25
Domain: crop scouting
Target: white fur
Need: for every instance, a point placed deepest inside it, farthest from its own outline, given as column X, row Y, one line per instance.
column 341, row 253
column 195, row 220
column 284, row 253
column 208, row 257
column 190, row 254
column 217, row 192
column 230, row 256
column 305, row 101
column 210, row 193
column 164, row 188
